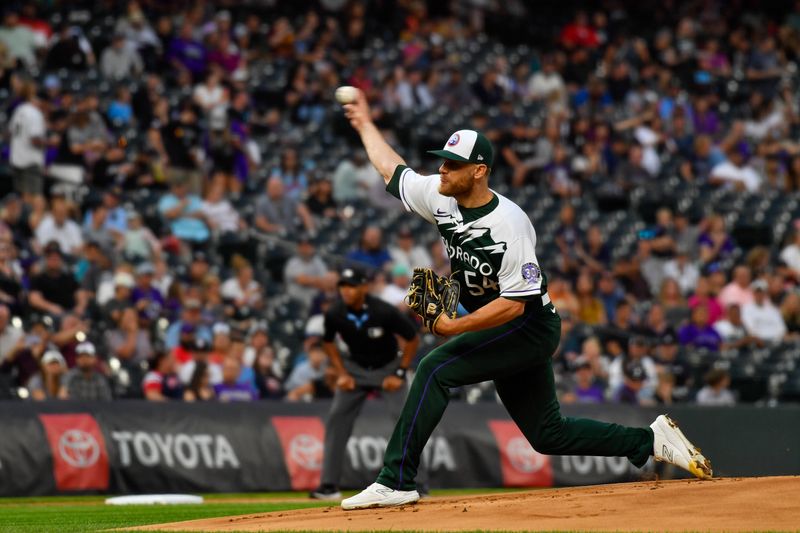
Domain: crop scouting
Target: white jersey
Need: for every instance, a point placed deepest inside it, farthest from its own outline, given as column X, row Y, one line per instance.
column 27, row 123
column 491, row 248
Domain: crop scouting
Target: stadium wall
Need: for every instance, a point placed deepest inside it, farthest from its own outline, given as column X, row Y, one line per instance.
column 139, row 447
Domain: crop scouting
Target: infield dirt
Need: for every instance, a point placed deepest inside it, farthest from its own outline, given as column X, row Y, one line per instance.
column 727, row 504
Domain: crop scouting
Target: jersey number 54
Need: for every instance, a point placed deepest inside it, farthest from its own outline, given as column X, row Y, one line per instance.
column 476, row 289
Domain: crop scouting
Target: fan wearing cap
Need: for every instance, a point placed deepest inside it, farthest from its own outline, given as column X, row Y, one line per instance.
column 370, row 328
column 84, row 382
column 633, row 382
column 45, row 385
column 511, row 331
column 761, row 318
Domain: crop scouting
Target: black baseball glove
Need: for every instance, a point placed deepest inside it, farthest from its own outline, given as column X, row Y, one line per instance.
column 431, row 295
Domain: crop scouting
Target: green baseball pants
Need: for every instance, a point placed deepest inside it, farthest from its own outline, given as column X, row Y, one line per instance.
column 517, row 356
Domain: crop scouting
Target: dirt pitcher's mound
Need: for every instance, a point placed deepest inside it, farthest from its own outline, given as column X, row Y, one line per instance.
column 736, row 504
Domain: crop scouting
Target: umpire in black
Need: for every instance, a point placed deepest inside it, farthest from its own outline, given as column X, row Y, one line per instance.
column 369, row 327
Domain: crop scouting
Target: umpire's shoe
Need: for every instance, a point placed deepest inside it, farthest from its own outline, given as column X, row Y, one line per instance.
column 377, row 495
column 670, row 445
column 326, row 492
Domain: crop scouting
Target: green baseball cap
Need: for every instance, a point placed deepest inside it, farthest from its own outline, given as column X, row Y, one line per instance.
column 467, row 146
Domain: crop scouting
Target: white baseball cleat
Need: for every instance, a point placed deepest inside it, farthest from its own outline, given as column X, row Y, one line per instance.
column 670, row 445
column 377, row 495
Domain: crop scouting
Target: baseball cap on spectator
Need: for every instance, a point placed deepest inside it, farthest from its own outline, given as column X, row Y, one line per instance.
column 10, row 198
column 200, row 256
column 759, row 285
column 124, row 279
column 352, row 276
column 85, row 348
column 188, row 329
column 259, row 325
column 405, row 232
column 639, row 340
column 53, row 356
column 192, row 303
column 400, row 270
column 145, row 269
column 238, row 335
column 239, row 75
column 221, row 328
column 51, row 81
column 52, row 247
column 201, row 345
column 667, row 339
column 42, row 320
column 581, row 362
column 304, row 238
column 58, row 191
column 634, row 370
column 467, row 146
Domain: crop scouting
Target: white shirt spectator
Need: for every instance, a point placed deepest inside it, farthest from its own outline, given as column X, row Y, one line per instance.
column 222, row 216
column 763, row 321
column 412, row 97
column 9, row 338
column 708, row 396
column 549, row 87
column 215, row 100
column 304, row 373
column 27, row 123
column 686, row 275
column 299, row 266
column 728, row 331
column 187, row 369
column 120, row 63
column 414, row 258
column 648, row 139
column 231, row 290
column 772, row 123
column 68, row 235
column 791, row 256
column 732, row 174
column 392, row 294
column 21, row 43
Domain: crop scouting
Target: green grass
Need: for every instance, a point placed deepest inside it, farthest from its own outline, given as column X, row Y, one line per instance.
column 65, row 517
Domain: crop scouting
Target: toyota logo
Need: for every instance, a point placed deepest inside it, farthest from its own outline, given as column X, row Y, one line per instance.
column 523, row 457
column 78, row 448
column 306, row 451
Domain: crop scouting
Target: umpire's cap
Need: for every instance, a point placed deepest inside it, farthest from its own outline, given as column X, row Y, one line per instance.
column 467, row 146
column 352, row 275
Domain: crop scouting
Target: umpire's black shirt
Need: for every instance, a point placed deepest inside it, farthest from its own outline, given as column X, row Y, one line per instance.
column 369, row 332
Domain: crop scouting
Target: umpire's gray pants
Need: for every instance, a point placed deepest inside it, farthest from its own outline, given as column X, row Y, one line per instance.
column 345, row 409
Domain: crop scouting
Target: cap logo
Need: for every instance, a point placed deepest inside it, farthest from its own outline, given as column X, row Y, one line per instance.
column 454, row 139
column 348, row 273
column 480, row 157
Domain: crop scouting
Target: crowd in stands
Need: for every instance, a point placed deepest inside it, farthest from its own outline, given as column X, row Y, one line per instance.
column 179, row 187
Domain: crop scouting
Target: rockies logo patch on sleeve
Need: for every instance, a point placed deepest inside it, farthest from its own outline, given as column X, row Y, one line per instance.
column 531, row 273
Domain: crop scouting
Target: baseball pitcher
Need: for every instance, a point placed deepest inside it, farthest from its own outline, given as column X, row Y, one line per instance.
column 512, row 328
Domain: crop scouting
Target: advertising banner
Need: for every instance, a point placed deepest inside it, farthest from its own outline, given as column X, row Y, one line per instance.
column 140, row 447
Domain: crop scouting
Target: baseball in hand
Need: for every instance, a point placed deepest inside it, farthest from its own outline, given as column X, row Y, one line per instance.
column 346, row 94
